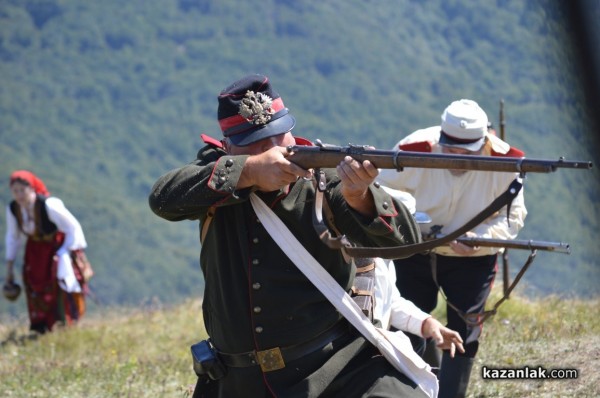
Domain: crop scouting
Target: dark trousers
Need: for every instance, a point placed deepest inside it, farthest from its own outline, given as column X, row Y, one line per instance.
column 349, row 368
column 466, row 282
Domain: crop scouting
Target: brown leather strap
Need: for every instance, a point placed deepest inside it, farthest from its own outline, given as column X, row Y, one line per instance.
column 366, row 268
column 479, row 318
column 358, row 292
column 405, row 251
column 210, row 215
column 321, row 207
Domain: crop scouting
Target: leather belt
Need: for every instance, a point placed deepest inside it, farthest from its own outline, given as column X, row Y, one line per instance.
column 276, row 358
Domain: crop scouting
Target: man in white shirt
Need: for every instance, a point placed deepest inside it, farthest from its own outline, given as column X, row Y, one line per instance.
column 451, row 198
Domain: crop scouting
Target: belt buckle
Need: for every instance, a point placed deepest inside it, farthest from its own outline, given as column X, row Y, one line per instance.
column 270, row 359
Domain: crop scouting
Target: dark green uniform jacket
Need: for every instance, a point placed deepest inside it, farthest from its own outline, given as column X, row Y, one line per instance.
column 255, row 298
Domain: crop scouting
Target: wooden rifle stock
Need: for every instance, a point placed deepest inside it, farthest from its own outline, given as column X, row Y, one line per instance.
column 329, row 156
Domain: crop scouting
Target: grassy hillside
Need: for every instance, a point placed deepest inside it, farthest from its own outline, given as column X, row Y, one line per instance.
column 100, row 98
column 145, row 352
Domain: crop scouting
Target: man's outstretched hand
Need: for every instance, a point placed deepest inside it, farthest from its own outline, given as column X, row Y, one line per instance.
column 445, row 339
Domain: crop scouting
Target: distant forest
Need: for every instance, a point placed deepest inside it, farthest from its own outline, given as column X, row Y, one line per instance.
column 100, row 98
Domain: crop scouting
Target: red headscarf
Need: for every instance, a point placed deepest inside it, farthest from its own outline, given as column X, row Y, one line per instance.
column 38, row 185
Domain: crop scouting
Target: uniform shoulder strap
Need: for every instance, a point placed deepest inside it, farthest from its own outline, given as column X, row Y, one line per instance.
column 211, row 140
column 421, row 146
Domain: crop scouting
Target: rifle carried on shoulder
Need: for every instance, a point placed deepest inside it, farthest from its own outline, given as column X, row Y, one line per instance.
column 329, row 156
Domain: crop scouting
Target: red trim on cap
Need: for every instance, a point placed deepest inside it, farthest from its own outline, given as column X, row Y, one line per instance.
column 422, row 146
column 235, row 120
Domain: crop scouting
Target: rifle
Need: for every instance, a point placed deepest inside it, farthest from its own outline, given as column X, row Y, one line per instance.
column 329, row 156
column 534, row 246
column 558, row 247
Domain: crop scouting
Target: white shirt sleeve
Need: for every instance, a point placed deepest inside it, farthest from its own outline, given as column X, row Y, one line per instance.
column 13, row 237
column 66, row 223
column 406, row 316
column 390, row 308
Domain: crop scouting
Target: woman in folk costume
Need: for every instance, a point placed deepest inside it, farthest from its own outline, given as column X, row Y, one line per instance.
column 53, row 286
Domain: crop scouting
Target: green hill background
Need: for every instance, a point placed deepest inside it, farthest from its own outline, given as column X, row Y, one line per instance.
column 101, row 98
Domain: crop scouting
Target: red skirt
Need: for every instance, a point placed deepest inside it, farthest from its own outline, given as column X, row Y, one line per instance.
column 47, row 303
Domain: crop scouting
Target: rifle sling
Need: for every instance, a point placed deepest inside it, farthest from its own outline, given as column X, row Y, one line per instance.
column 396, row 252
column 478, row 319
column 210, row 215
column 321, row 206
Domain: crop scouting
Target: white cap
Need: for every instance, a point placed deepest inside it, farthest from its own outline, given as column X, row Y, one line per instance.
column 464, row 125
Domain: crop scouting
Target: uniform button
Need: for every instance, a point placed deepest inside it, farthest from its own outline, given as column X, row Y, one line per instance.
column 222, row 180
column 255, row 261
column 257, row 309
column 256, row 286
column 385, row 205
column 377, row 184
column 255, row 240
column 258, row 329
column 229, row 163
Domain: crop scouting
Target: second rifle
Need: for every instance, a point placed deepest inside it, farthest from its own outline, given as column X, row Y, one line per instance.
column 558, row 247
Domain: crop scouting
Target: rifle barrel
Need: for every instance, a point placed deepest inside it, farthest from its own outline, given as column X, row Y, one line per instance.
column 558, row 247
column 329, row 156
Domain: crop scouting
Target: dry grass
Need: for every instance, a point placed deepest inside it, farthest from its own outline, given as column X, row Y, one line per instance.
column 144, row 352
column 550, row 332
column 116, row 353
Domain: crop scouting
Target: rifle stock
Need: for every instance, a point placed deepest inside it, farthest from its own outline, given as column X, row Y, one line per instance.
column 329, row 156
